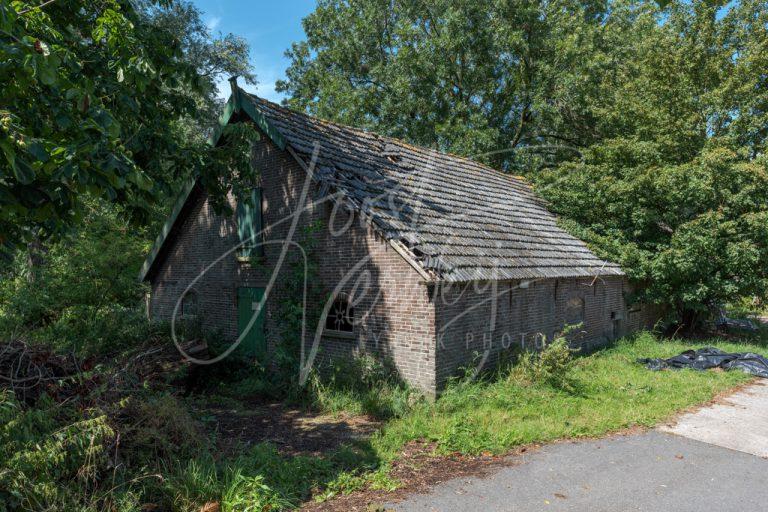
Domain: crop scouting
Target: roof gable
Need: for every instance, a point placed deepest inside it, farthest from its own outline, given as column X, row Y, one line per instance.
column 168, row 227
column 234, row 105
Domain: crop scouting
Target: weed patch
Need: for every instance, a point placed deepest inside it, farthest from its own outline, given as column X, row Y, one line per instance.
column 606, row 391
column 141, row 446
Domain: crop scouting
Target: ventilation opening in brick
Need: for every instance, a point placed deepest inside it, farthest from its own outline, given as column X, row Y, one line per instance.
column 341, row 315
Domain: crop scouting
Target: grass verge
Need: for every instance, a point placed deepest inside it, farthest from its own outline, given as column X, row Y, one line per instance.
column 609, row 391
column 134, row 457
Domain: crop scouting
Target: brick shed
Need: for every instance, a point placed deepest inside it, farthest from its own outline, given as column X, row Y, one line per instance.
column 430, row 260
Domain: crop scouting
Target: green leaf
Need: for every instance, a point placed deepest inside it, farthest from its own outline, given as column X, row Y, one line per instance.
column 141, row 180
column 8, row 150
column 38, row 151
column 47, row 71
column 23, row 172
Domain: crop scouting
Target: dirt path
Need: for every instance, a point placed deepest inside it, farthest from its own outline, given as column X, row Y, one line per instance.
column 293, row 430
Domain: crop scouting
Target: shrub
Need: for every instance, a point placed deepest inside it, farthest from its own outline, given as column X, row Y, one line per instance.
column 157, row 428
column 83, row 294
column 251, row 494
column 51, row 462
column 552, row 365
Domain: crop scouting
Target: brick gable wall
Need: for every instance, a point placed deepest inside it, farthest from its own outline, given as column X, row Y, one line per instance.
column 428, row 332
column 394, row 317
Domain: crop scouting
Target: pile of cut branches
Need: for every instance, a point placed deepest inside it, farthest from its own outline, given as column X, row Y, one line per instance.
column 30, row 370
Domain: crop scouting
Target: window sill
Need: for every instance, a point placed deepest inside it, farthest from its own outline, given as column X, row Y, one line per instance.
column 327, row 333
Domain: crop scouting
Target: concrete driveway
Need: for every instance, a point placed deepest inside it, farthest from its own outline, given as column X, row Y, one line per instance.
column 713, row 459
column 739, row 422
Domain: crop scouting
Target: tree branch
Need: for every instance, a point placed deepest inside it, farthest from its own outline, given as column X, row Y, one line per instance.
column 519, row 132
column 25, row 11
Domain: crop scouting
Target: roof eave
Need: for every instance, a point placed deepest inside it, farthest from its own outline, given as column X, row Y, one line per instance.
column 168, row 226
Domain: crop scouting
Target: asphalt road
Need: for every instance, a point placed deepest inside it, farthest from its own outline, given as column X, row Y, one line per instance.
column 651, row 471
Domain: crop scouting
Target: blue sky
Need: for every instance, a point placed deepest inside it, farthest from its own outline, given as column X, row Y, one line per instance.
column 269, row 27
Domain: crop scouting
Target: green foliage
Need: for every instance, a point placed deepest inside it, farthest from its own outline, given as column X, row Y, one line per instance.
column 358, row 385
column 608, row 391
column 471, row 76
column 301, row 290
column 644, row 124
column 83, row 293
column 247, row 494
column 96, row 96
column 157, row 427
column 262, row 479
column 693, row 233
column 41, row 448
column 551, row 77
column 146, row 448
column 361, row 385
column 552, row 365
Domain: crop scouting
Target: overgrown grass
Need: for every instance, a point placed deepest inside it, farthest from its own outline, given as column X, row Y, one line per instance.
column 260, row 478
column 64, row 456
column 361, row 385
column 610, row 391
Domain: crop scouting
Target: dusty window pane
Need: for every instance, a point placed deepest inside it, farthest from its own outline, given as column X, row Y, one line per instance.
column 340, row 315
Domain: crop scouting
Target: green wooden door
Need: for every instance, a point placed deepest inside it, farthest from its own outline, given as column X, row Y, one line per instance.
column 253, row 342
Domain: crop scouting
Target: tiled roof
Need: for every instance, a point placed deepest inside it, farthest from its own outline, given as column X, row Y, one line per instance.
column 460, row 220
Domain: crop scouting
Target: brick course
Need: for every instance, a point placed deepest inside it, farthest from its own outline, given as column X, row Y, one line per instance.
column 428, row 331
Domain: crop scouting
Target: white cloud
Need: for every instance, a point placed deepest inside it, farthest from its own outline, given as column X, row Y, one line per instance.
column 213, row 23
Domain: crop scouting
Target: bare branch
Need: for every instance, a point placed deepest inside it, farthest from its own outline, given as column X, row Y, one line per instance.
column 25, row 11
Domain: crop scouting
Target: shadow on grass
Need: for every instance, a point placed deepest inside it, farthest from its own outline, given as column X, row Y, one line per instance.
column 261, row 478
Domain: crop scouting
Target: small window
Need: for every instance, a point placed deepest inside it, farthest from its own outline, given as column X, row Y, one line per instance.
column 250, row 225
column 341, row 315
column 574, row 311
column 189, row 304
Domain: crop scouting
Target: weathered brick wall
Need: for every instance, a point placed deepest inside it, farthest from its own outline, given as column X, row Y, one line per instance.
column 201, row 239
column 393, row 314
column 427, row 331
column 485, row 320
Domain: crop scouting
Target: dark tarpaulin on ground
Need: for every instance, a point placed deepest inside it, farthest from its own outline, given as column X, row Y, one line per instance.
column 711, row 357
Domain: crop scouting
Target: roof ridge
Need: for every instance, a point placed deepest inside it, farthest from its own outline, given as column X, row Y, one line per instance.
column 311, row 117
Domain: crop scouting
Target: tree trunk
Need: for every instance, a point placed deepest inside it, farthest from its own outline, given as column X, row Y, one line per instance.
column 35, row 258
column 689, row 321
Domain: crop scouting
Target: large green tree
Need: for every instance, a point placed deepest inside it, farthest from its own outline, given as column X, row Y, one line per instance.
column 644, row 125
column 103, row 99
column 677, row 189
column 469, row 76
